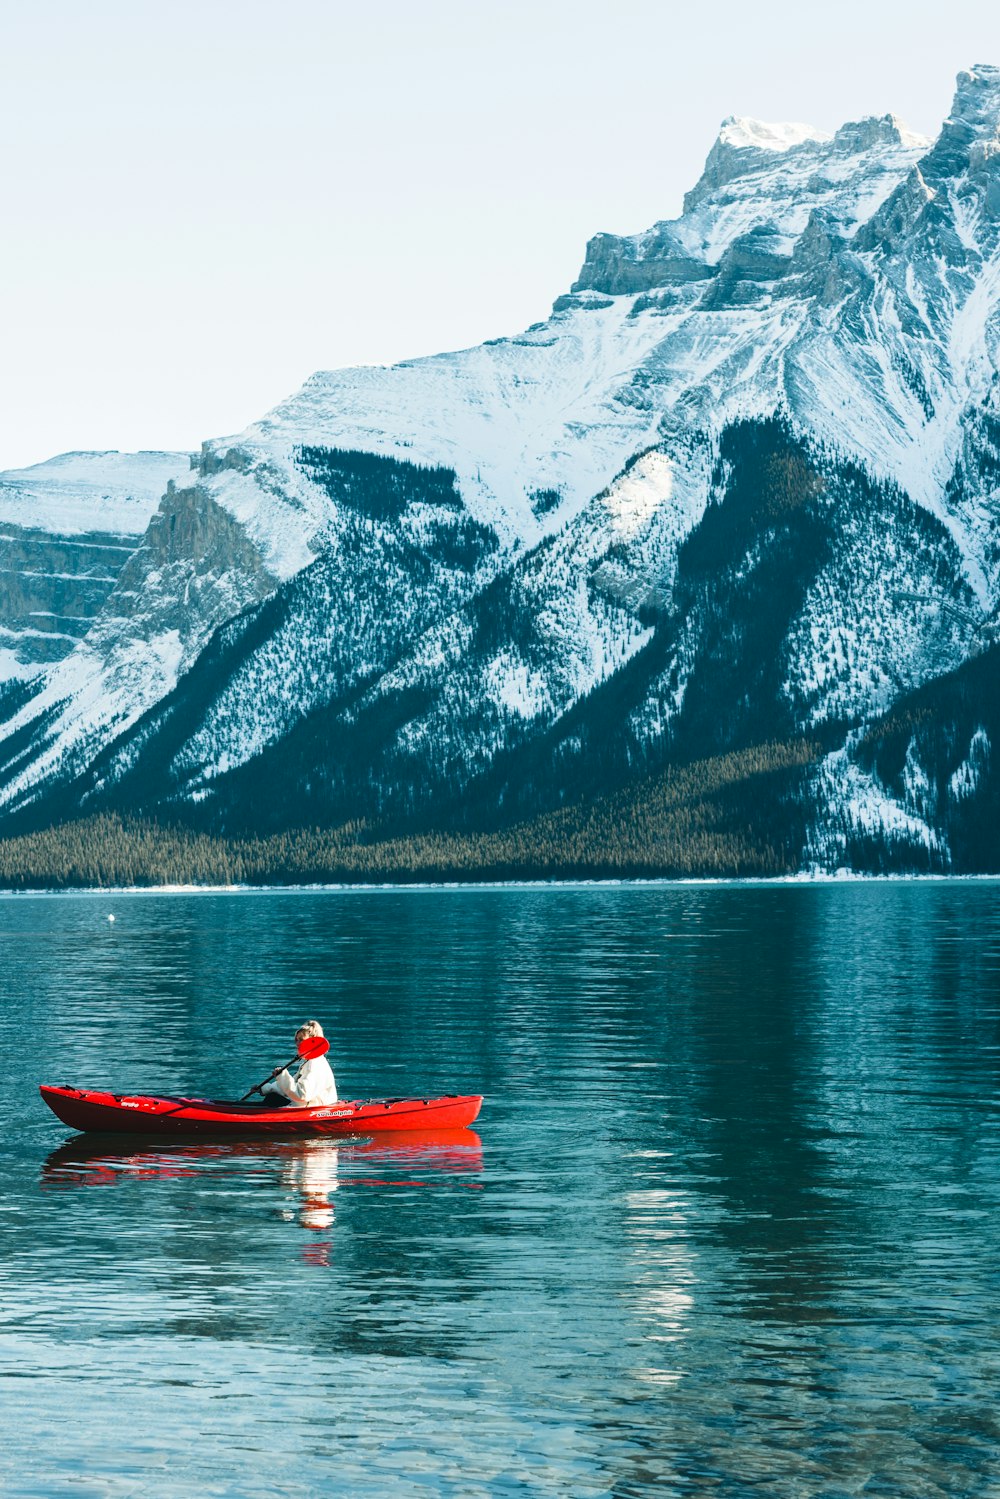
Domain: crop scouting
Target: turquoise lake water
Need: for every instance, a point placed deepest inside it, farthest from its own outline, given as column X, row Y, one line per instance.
column 727, row 1225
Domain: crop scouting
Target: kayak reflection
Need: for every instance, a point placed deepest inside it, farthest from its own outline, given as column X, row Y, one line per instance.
column 308, row 1170
column 311, row 1166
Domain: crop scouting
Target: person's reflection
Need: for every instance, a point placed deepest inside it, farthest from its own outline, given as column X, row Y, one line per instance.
column 312, row 1173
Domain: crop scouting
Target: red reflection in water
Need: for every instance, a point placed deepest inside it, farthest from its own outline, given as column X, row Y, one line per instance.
column 319, row 1254
column 311, row 1166
column 310, row 1169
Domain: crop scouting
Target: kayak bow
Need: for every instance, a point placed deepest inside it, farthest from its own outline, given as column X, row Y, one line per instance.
column 140, row 1113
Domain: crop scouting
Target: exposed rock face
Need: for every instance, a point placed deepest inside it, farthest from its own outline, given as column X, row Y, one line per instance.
column 621, row 266
column 53, row 587
column 743, row 483
column 195, row 566
column 67, row 528
column 969, row 136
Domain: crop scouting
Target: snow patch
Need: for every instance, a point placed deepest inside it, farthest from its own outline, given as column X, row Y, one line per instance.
column 513, row 686
column 967, row 778
column 741, row 131
column 634, row 498
column 853, row 803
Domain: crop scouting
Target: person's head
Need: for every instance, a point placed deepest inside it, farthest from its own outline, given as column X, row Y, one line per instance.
column 311, row 1028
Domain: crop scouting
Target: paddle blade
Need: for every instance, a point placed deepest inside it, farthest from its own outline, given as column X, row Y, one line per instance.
column 313, row 1046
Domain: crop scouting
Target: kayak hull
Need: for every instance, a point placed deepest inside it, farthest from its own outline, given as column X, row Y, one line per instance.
column 91, row 1109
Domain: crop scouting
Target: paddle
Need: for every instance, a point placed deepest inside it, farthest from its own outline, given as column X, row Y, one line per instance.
column 308, row 1048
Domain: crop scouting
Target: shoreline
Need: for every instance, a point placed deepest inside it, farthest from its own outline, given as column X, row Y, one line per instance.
column 805, row 880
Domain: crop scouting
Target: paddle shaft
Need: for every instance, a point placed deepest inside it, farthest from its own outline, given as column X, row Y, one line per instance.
column 259, row 1087
column 308, row 1049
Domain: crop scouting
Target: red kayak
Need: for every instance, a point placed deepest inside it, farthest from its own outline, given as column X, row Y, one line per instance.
column 139, row 1113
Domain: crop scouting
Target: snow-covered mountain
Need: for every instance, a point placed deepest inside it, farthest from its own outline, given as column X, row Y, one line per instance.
column 742, row 484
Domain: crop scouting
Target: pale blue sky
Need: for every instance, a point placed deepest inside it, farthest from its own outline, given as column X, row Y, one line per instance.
column 204, row 202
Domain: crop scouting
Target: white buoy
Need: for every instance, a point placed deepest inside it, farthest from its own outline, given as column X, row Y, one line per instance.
column 111, row 917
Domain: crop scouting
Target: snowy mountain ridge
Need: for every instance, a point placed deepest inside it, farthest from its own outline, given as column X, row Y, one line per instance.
column 540, row 523
column 77, row 492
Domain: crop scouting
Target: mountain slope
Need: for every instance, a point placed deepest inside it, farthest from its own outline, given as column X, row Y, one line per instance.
column 742, row 484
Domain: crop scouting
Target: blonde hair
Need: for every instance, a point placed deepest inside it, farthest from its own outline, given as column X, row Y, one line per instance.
column 311, row 1028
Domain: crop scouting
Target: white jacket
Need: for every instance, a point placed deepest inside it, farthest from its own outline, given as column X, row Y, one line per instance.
column 314, row 1084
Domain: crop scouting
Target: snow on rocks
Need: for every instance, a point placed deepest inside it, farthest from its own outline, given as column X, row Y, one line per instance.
column 966, row 780
column 852, row 805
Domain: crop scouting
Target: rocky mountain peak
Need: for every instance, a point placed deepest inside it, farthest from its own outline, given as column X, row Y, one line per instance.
column 745, row 147
column 876, row 130
column 972, row 130
column 977, row 99
column 759, row 179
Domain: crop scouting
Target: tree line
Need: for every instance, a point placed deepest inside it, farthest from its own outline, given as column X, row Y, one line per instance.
column 732, row 815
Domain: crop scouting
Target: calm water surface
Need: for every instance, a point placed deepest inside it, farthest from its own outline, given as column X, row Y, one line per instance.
column 728, row 1224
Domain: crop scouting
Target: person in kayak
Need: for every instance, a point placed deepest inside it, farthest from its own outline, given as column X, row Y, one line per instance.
column 314, row 1082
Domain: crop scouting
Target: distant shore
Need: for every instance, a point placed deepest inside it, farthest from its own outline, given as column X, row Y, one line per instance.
column 734, row 817
column 813, row 879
